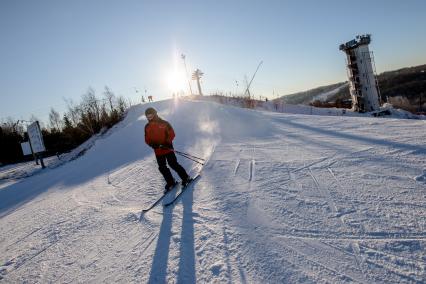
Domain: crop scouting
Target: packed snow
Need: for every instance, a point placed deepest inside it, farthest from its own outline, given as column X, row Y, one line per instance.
column 282, row 198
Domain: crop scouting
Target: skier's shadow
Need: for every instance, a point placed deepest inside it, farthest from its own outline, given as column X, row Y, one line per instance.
column 186, row 273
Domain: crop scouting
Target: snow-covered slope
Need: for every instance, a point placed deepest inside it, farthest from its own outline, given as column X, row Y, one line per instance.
column 283, row 198
column 324, row 96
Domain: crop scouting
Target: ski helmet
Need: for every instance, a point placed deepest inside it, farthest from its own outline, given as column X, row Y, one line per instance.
column 150, row 110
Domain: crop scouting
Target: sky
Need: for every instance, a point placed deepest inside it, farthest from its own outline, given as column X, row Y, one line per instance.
column 54, row 51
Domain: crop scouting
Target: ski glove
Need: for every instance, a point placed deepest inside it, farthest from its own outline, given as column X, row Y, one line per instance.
column 165, row 146
column 161, row 146
column 154, row 146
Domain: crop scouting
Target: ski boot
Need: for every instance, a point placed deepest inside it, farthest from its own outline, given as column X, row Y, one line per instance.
column 186, row 181
column 169, row 186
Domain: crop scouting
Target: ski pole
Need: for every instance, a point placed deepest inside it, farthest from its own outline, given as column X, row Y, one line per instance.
column 183, row 153
column 190, row 158
column 189, row 155
column 200, row 162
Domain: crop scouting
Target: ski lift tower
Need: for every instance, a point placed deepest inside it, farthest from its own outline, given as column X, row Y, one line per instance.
column 361, row 74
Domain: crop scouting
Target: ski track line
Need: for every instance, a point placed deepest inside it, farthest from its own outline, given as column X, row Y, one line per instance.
column 408, row 260
column 26, row 259
column 150, row 240
column 304, row 256
column 389, row 269
column 33, row 232
column 231, row 253
column 293, row 177
column 114, row 197
column 328, row 198
column 106, row 257
column 302, row 217
column 395, row 267
column 32, row 256
column 303, row 260
column 385, row 202
column 313, row 246
column 23, row 238
column 238, row 162
column 314, row 265
column 333, row 207
column 342, row 250
column 356, row 255
column 338, row 236
column 149, row 243
column 307, row 166
column 237, row 166
column 314, row 262
column 331, row 158
column 360, row 261
column 252, row 164
column 282, row 182
column 127, row 174
column 325, row 194
column 354, row 244
column 395, row 255
column 86, row 202
column 251, row 169
column 234, row 254
column 16, row 268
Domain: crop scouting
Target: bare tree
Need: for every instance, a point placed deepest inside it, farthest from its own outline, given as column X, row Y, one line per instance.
column 40, row 122
column 74, row 112
column 129, row 102
column 12, row 126
column 90, row 114
column 121, row 103
column 104, row 115
column 55, row 120
column 91, row 105
column 110, row 97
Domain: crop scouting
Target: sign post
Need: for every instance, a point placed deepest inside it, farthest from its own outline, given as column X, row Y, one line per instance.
column 36, row 141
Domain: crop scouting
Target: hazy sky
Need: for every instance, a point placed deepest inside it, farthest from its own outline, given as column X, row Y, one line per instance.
column 51, row 50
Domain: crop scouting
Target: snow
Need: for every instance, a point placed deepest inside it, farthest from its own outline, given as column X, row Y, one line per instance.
column 283, row 198
column 325, row 95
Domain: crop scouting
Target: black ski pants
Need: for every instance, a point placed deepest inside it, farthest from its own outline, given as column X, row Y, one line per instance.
column 170, row 159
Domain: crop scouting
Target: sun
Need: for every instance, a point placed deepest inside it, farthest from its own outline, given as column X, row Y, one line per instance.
column 175, row 80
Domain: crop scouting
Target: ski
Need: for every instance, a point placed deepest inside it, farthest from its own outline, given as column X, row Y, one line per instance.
column 158, row 201
column 182, row 191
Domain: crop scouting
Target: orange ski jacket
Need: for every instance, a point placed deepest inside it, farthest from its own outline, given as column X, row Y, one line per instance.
column 159, row 134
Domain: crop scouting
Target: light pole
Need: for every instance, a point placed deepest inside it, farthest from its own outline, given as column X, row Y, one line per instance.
column 186, row 70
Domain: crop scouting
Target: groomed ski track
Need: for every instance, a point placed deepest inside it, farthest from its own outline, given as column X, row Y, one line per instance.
column 282, row 199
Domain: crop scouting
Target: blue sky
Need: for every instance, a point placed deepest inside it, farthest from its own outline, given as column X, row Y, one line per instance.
column 51, row 50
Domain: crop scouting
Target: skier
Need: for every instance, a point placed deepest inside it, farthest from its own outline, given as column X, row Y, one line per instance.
column 159, row 135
